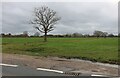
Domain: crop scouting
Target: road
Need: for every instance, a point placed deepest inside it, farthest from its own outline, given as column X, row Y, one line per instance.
column 26, row 71
column 16, row 70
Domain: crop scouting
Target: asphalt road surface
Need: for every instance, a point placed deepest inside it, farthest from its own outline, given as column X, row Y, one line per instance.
column 26, row 71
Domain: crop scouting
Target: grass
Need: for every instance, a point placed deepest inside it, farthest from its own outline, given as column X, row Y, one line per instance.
column 94, row 49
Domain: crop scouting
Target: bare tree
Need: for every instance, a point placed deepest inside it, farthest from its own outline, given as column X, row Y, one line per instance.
column 97, row 33
column 25, row 33
column 100, row 34
column 45, row 19
column 104, row 34
column 111, row 35
column 37, row 34
column 77, row 35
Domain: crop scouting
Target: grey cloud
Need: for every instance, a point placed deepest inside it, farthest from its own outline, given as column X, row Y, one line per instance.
column 76, row 17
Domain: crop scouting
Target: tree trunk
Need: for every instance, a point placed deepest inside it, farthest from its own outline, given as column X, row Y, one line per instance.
column 45, row 37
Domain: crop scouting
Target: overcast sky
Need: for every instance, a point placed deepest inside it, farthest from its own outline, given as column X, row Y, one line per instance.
column 80, row 17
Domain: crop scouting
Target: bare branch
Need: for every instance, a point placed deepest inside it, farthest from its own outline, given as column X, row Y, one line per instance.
column 39, row 29
column 45, row 18
column 50, row 30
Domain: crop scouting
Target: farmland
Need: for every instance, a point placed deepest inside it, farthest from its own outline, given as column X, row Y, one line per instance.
column 94, row 49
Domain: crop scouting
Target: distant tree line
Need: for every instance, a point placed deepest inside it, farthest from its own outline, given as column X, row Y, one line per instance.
column 25, row 34
column 96, row 34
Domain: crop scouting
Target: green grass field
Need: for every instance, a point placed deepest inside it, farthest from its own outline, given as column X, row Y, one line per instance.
column 94, row 49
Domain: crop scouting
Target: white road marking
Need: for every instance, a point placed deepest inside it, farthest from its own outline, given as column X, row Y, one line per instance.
column 8, row 65
column 57, row 71
column 98, row 75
